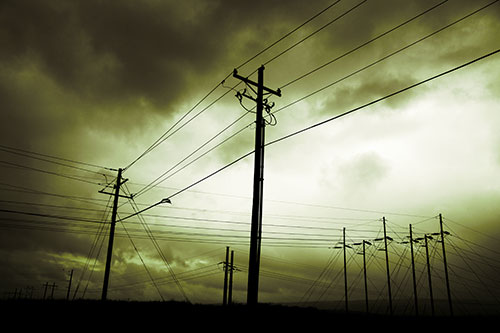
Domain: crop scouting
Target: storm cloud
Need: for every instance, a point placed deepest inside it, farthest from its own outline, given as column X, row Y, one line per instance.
column 100, row 81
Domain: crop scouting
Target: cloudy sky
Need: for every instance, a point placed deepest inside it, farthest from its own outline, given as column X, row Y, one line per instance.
column 86, row 87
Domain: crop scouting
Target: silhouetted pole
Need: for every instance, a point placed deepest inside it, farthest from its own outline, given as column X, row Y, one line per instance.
column 387, row 266
column 364, row 274
column 429, row 273
column 231, row 267
column 413, row 272
column 258, row 186
column 111, row 235
column 69, row 285
column 445, row 264
column 226, row 268
column 46, row 285
column 53, row 286
column 345, row 273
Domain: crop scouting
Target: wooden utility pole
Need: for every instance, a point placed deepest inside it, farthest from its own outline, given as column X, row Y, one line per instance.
column 445, row 264
column 226, row 268
column 426, row 237
column 230, row 292
column 413, row 272
column 258, row 184
column 345, row 272
column 109, row 256
column 387, row 267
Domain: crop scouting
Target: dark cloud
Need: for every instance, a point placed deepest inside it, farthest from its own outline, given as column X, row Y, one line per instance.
column 95, row 79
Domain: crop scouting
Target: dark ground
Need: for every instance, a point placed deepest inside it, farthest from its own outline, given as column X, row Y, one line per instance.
column 169, row 316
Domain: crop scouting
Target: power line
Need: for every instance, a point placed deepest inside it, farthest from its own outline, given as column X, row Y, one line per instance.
column 48, row 172
column 363, row 44
column 5, row 148
column 289, row 33
column 164, row 136
column 324, row 122
column 158, row 248
column 51, row 216
column 385, row 57
column 157, row 180
column 20, row 152
column 385, row 97
column 316, row 31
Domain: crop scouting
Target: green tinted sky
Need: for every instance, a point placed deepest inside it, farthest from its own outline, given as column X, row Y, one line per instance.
column 99, row 82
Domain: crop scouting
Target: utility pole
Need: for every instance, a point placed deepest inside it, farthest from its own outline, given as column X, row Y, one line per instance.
column 258, row 184
column 426, row 237
column 387, row 266
column 226, row 268
column 53, row 286
column 69, row 285
column 445, row 264
column 231, row 267
column 364, row 273
column 46, row 285
column 345, row 272
column 413, row 272
column 109, row 256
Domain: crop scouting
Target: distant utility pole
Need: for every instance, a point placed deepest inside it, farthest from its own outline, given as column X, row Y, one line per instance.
column 413, row 272
column 345, row 271
column 53, row 286
column 387, row 266
column 230, row 292
column 364, row 273
column 109, row 256
column 258, row 183
column 227, row 294
column 426, row 237
column 445, row 263
column 69, row 285
column 226, row 268
column 45, row 286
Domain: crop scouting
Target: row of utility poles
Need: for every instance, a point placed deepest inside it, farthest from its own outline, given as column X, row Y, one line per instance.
column 48, row 290
column 411, row 241
column 256, row 220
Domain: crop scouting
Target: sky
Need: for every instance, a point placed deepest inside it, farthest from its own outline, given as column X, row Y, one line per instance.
column 87, row 87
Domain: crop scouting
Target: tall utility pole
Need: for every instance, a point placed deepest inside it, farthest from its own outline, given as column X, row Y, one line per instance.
column 109, row 256
column 226, row 268
column 445, row 264
column 413, row 272
column 426, row 237
column 345, row 272
column 258, row 184
column 387, row 266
